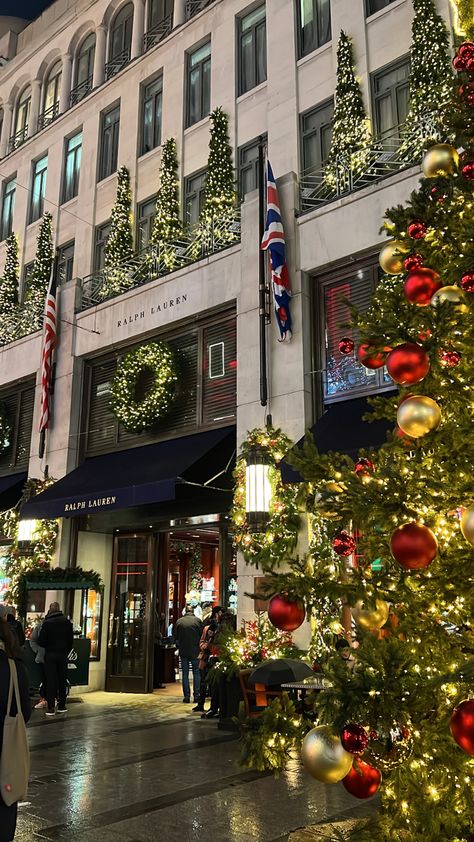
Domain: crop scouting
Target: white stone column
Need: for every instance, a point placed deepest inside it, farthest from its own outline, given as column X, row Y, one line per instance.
column 99, row 57
column 6, row 128
column 138, row 30
column 35, row 106
column 179, row 13
column 66, row 76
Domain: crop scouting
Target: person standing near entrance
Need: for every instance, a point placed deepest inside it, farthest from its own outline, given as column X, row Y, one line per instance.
column 187, row 635
column 56, row 637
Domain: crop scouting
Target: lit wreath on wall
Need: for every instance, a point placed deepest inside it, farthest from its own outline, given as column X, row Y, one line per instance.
column 273, row 546
column 160, row 360
column 5, row 430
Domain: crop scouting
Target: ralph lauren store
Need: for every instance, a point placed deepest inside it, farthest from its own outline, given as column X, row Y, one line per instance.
column 149, row 510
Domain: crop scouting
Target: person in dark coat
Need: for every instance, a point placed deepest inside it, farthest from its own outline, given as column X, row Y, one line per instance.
column 56, row 637
column 15, row 625
column 187, row 636
column 8, row 648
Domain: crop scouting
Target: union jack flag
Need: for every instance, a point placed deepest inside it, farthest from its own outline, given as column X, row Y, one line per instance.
column 274, row 242
column 49, row 344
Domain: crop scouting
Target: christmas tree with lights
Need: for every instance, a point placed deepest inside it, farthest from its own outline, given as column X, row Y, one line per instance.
column 167, row 225
column 351, row 138
column 9, row 292
column 395, row 584
column 119, row 245
column 31, row 317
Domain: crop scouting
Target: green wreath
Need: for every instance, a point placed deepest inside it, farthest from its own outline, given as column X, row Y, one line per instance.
column 140, row 413
column 5, row 430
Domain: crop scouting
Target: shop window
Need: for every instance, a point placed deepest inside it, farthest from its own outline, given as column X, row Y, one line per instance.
column 198, row 88
column 314, row 25
column 18, row 406
column 252, row 50
column 220, row 369
column 391, row 96
column 91, row 620
column 8, row 206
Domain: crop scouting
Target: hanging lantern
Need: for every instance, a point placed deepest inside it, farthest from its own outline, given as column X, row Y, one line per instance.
column 27, row 529
column 258, row 489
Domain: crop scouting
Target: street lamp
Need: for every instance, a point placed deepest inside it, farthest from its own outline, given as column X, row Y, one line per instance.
column 258, row 489
column 26, row 531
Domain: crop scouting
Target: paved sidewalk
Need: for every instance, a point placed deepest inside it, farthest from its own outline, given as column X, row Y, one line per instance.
column 145, row 768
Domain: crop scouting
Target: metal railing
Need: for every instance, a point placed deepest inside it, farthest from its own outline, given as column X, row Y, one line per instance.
column 389, row 153
column 80, row 91
column 17, row 139
column 193, row 7
column 158, row 32
column 154, row 262
column 116, row 63
column 48, row 115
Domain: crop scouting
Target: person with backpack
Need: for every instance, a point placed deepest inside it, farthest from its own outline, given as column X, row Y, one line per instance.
column 56, row 637
column 15, row 711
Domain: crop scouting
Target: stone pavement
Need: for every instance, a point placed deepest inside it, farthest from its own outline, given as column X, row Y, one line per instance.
column 145, row 768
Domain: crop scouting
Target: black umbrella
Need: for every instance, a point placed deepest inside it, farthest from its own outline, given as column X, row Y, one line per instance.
column 279, row 671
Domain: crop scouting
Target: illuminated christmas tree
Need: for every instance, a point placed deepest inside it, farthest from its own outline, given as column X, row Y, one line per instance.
column 9, row 292
column 119, row 246
column 38, row 282
column 351, row 138
column 167, row 226
column 396, row 584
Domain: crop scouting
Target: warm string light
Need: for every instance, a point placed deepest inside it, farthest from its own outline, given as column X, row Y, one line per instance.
column 158, row 361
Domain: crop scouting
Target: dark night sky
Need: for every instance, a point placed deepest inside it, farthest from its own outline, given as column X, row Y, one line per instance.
column 27, row 9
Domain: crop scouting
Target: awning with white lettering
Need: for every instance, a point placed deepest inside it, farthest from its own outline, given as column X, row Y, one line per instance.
column 135, row 477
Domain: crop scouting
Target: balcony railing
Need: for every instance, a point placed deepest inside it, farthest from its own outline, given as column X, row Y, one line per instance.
column 116, row 63
column 193, row 7
column 157, row 261
column 158, row 32
column 48, row 115
column 17, row 139
column 390, row 153
column 80, row 91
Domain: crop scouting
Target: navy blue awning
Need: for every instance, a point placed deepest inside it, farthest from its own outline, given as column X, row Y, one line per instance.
column 342, row 429
column 11, row 489
column 136, row 477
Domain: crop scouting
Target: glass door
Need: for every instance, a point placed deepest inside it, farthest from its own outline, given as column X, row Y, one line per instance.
column 130, row 618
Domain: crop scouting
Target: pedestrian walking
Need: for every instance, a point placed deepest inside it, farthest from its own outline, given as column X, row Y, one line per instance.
column 187, row 636
column 8, row 812
column 205, row 645
column 56, row 636
column 39, row 659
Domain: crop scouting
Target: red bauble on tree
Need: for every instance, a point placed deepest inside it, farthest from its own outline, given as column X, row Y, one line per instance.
column 468, row 170
column 364, row 467
column 343, row 543
column 354, row 738
column 414, row 546
column 408, row 364
column 462, row 726
column 413, row 261
column 421, row 285
column 467, row 282
column 363, row 780
column 466, row 92
column 449, row 358
column 466, row 51
column 346, row 345
column 417, row 229
column 284, row 613
column 371, row 354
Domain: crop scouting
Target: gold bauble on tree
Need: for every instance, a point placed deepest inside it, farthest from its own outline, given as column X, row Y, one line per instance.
column 324, row 756
column 391, row 257
column 418, row 415
column 440, row 161
column 371, row 619
column 453, row 294
column 467, row 524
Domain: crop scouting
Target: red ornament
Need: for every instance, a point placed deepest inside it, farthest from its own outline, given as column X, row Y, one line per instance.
column 364, row 467
column 466, row 50
column 370, row 354
column 449, row 358
column 346, row 345
column 468, row 171
column 467, row 282
column 462, row 725
column 417, row 229
column 470, row 65
column 421, row 285
column 363, row 780
column 413, row 545
column 466, row 92
column 424, row 334
column 413, row 261
column 399, row 434
column 285, row 613
column 343, row 543
column 408, row 364
column 459, row 64
column 354, row 738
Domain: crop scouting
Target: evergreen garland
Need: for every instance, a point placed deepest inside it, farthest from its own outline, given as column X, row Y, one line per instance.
column 34, row 300
column 351, row 138
column 9, row 284
column 119, row 245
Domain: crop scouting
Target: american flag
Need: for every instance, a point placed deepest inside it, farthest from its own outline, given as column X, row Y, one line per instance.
column 49, row 344
column 274, row 242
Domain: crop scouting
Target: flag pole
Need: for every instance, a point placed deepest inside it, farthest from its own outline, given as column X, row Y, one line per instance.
column 262, row 291
column 53, row 282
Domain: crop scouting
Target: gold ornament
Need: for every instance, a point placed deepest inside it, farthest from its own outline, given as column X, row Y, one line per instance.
column 467, row 524
column 418, row 415
column 389, row 746
column 453, row 294
column 371, row 619
column 324, row 757
column 440, row 161
column 390, row 258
